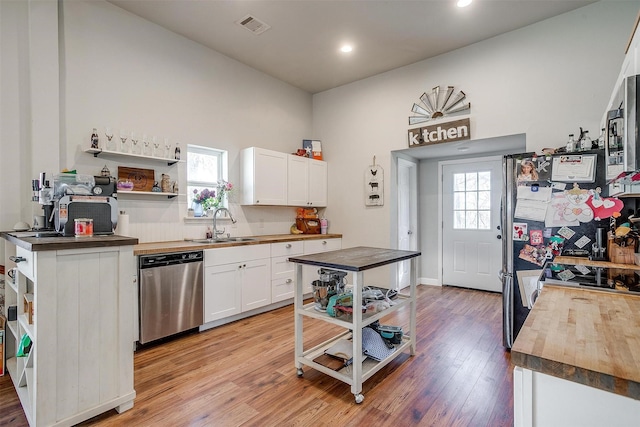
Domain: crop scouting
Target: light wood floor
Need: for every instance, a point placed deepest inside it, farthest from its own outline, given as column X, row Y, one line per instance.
column 243, row 374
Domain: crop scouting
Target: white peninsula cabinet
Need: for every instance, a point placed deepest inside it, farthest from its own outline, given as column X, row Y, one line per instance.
column 307, row 182
column 264, row 177
column 80, row 362
column 236, row 280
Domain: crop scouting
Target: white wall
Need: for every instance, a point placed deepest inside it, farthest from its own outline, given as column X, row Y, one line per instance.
column 121, row 71
column 544, row 81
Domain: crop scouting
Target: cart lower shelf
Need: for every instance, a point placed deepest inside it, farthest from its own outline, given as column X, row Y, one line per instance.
column 369, row 366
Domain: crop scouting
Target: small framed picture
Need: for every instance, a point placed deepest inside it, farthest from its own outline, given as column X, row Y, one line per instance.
column 536, row 237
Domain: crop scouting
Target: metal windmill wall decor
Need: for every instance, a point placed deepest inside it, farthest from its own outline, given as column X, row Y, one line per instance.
column 437, row 104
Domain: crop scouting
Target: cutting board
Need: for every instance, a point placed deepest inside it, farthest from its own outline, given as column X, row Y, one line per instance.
column 142, row 179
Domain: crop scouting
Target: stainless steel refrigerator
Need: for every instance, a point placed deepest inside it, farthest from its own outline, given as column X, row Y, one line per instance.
column 524, row 253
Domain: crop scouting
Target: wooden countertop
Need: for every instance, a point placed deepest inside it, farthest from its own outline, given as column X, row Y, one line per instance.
column 574, row 260
column 27, row 240
column 185, row 245
column 589, row 337
column 355, row 259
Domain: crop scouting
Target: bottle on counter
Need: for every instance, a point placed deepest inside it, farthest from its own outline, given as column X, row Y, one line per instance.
column 601, row 139
column 571, row 144
column 177, row 151
column 94, row 138
column 585, row 142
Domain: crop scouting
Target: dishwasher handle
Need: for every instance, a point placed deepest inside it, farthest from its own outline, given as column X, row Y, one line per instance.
column 151, row 261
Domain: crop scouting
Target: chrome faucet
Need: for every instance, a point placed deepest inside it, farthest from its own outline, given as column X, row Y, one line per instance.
column 217, row 232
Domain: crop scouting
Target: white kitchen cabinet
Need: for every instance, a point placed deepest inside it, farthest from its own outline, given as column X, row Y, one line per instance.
column 264, row 177
column 222, row 295
column 81, row 360
column 309, row 272
column 283, row 270
column 237, row 279
column 307, row 182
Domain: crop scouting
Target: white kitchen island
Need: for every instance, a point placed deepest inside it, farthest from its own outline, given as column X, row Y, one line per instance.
column 353, row 260
column 80, row 363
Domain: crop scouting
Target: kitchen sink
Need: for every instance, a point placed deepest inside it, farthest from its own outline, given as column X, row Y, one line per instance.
column 223, row 240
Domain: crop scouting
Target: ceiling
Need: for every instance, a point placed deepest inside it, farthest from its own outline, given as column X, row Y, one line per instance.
column 302, row 45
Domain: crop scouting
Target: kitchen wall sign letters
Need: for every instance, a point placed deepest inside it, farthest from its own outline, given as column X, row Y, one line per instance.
column 458, row 130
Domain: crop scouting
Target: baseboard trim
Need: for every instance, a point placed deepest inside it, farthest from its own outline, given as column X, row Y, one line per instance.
column 428, row 281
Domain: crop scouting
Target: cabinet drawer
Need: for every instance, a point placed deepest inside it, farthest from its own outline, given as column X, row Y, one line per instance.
column 221, row 256
column 282, row 288
column 25, row 267
column 287, row 248
column 321, row 245
column 281, row 267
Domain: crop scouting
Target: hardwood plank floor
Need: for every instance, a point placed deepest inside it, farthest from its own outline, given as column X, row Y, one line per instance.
column 243, row 374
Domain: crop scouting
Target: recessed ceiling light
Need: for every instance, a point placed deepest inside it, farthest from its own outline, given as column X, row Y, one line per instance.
column 346, row 48
column 464, row 3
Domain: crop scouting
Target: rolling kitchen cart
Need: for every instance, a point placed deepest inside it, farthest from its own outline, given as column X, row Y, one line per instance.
column 355, row 260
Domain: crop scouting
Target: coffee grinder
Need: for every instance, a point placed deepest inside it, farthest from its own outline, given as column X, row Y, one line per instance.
column 43, row 194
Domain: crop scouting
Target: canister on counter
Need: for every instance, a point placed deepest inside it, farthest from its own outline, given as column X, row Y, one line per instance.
column 84, row 227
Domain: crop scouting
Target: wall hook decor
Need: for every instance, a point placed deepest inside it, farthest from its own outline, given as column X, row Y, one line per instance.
column 374, row 185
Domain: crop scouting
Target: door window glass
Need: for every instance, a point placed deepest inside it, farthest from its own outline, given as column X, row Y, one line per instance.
column 472, row 200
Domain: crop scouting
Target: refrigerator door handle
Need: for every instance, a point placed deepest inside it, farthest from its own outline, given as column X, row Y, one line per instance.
column 507, row 310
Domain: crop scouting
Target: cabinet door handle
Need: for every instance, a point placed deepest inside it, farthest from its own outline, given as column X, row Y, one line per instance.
column 288, row 246
column 289, row 281
column 17, row 259
column 324, row 242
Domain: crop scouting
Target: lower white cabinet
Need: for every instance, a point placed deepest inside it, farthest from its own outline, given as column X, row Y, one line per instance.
column 236, row 279
column 310, row 272
column 282, row 270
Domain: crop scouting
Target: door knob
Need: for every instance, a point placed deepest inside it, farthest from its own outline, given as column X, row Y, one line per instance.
column 499, row 236
column 409, row 232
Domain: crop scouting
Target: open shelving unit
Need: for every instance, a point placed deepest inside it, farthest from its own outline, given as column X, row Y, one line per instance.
column 119, row 154
column 355, row 260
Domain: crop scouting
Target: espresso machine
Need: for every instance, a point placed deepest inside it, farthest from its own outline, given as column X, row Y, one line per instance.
column 77, row 196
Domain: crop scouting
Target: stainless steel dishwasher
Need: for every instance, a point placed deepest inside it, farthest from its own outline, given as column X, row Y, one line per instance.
column 171, row 294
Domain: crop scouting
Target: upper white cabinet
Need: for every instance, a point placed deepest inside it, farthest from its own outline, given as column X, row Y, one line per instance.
column 307, row 182
column 264, row 177
column 273, row 178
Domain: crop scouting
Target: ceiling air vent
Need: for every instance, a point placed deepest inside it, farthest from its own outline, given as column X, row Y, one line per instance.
column 253, row 24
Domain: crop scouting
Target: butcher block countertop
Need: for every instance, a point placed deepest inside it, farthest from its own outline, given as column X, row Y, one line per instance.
column 28, row 241
column 589, row 337
column 186, row 245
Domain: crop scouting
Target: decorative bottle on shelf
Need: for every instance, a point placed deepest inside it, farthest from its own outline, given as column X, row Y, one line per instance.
column 94, row 138
column 585, row 142
column 601, row 139
column 571, row 144
column 177, row 151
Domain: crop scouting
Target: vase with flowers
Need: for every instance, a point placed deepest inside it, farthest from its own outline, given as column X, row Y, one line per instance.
column 206, row 199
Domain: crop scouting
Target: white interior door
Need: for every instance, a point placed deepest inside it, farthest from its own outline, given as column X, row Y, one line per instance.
column 407, row 216
column 471, row 249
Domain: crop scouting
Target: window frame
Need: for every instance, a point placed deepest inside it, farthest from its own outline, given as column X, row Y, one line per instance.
column 222, row 162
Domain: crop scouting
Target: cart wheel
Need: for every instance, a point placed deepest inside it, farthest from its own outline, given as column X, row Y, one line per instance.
column 300, row 372
column 359, row 398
